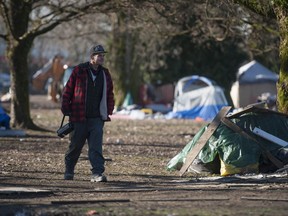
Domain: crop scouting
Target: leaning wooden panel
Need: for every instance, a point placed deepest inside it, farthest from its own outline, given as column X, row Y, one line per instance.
column 204, row 138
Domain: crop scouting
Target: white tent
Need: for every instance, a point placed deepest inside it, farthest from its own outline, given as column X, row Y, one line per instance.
column 253, row 79
column 197, row 97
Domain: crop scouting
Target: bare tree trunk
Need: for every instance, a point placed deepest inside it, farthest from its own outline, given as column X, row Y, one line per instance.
column 124, row 70
column 282, row 85
column 20, row 107
column 117, row 57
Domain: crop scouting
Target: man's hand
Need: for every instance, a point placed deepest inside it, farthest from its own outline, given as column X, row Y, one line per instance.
column 66, row 112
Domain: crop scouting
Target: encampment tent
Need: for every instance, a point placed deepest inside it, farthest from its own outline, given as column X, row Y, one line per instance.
column 197, row 97
column 253, row 79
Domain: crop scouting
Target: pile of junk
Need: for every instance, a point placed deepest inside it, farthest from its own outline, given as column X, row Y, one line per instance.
column 253, row 140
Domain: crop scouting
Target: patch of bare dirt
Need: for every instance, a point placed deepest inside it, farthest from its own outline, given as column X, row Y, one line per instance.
column 137, row 152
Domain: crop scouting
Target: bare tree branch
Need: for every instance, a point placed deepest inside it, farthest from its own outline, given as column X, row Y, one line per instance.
column 4, row 11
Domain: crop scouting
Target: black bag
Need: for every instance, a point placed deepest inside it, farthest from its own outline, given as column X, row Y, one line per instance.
column 66, row 129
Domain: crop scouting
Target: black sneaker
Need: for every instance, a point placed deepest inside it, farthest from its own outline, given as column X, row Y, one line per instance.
column 68, row 176
column 98, row 178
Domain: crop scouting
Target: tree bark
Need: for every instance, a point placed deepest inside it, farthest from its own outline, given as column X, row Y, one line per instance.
column 20, row 105
column 18, row 47
column 125, row 74
column 282, row 85
column 278, row 10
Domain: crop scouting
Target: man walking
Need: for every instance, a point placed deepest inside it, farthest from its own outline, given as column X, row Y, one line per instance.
column 88, row 100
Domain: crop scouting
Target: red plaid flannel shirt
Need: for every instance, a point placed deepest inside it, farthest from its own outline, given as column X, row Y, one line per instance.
column 74, row 93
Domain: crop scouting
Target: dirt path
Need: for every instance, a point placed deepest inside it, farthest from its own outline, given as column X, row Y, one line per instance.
column 137, row 153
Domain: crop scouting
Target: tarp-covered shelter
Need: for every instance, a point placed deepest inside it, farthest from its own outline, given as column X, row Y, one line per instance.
column 197, row 97
column 253, row 79
column 244, row 150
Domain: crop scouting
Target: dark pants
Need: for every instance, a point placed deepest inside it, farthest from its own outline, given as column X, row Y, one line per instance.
column 92, row 131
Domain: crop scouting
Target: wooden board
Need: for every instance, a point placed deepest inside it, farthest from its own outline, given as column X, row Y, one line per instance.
column 204, row 138
column 12, row 133
column 265, row 199
column 68, row 202
column 22, row 191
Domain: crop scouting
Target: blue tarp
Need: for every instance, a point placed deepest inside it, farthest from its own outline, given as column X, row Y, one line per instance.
column 4, row 119
column 206, row 113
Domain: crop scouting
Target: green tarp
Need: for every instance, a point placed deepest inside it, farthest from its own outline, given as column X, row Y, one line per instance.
column 233, row 148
